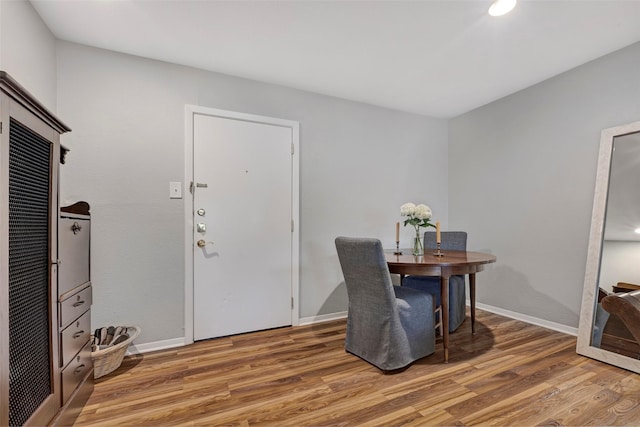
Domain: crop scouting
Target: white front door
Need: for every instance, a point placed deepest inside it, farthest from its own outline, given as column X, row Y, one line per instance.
column 242, row 215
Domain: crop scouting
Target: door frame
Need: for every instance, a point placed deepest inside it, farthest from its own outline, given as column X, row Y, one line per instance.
column 190, row 112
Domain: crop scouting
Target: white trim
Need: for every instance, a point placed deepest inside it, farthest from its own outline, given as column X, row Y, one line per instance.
column 190, row 111
column 188, row 224
column 497, row 310
column 594, row 250
column 155, row 346
column 559, row 327
column 295, row 215
column 304, row 321
column 322, row 318
column 181, row 342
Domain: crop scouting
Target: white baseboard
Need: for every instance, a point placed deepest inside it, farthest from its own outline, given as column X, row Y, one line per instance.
column 179, row 342
column 154, row 346
column 322, row 318
column 529, row 319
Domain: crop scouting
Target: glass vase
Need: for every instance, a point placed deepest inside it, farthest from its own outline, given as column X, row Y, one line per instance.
column 418, row 248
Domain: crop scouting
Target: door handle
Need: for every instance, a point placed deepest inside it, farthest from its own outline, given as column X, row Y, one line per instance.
column 75, row 228
column 201, row 243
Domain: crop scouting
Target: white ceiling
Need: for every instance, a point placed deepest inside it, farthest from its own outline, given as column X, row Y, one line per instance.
column 438, row 58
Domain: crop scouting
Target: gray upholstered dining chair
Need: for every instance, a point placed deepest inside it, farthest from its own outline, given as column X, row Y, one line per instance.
column 450, row 241
column 388, row 326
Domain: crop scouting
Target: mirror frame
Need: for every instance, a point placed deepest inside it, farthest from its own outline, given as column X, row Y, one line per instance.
column 594, row 254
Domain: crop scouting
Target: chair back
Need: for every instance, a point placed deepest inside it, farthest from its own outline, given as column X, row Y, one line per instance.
column 388, row 326
column 366, row 274
column 449, row 240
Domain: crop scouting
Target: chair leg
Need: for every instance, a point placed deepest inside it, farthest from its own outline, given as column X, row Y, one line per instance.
column 438, row 312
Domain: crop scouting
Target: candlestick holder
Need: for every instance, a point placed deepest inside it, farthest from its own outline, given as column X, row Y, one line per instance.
column 438, row 252
column 398, row 251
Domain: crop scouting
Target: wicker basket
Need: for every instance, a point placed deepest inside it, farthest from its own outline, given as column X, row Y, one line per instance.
column 109, row 359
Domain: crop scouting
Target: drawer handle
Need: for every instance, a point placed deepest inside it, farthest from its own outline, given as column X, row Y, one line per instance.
column 78, row 334
column 78, row 303
column 76, row 227
column 78, row 370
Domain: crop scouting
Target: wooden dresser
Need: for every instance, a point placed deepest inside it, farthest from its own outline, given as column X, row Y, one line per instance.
column 74, row 308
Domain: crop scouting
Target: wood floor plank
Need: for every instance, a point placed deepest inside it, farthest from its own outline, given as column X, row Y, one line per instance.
column 507, row 373
column 492, row 410
column 552, row 400
column 438, row 417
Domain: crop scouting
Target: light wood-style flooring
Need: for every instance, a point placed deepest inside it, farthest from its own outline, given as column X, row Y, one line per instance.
column 508, row 374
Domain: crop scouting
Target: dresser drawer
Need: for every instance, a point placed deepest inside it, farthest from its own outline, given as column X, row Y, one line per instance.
column 77, row 369
column 74, row 337
column 73, row 253
column 73, row 307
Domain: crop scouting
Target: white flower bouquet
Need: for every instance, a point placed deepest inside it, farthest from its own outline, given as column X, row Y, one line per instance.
column 419, row 217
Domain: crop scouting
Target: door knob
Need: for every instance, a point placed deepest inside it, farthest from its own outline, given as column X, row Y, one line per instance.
column 76, row 227
column 201, row 243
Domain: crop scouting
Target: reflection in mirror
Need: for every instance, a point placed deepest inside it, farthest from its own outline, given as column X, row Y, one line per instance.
column 619, row 271
column 609, row 327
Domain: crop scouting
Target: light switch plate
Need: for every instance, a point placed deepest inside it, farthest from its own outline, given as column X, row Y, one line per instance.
column 175, row 190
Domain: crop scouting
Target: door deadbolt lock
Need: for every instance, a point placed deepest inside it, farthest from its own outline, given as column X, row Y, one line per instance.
column 201, row 212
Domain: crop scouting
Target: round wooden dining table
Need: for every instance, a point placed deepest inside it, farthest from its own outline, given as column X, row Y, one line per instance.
column 449, row 263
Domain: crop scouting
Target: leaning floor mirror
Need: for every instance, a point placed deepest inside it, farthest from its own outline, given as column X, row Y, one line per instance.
column 609, row 328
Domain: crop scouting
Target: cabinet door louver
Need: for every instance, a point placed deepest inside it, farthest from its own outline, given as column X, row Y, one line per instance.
column 30, row 362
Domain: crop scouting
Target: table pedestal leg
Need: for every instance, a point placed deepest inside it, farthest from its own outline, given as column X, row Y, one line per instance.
column 444, row 299
column 472, row 299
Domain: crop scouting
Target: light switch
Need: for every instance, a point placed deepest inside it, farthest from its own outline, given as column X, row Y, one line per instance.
column 175, row 190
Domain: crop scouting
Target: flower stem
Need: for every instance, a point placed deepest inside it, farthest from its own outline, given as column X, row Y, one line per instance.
column 418, row 247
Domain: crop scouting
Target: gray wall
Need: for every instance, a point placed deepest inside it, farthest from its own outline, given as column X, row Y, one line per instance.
column 27, row 50
column 358, row 164
column 521, row 180
column 620, row 263
column 519, row 176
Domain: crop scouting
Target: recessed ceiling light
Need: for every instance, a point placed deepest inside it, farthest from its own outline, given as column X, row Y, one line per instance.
column 501, row 7
column 637, row 230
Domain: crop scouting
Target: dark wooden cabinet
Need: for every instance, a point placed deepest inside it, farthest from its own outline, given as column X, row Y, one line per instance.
column 31, row 390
